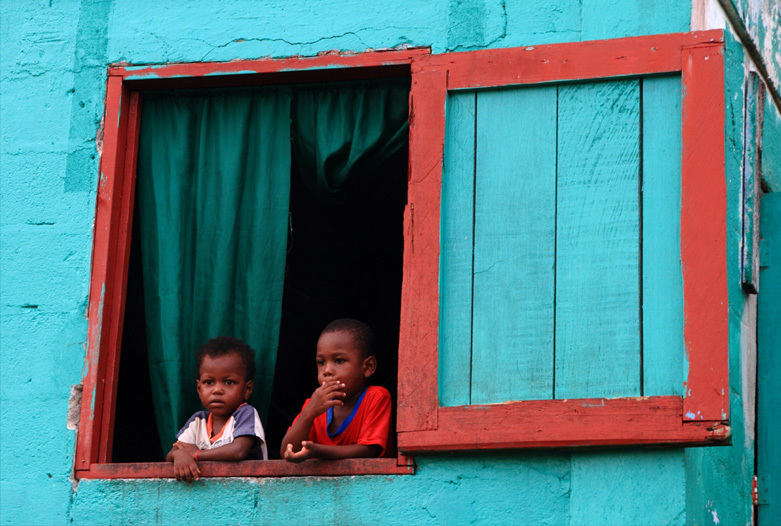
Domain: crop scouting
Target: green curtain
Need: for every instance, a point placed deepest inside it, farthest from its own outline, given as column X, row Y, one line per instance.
column 212, row 191
column 343, row 131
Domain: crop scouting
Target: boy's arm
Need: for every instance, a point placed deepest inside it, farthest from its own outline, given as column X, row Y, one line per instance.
column 372, row 440
column 311, row 449
column 183, row 456
column 297, row 433
column 324, row 397
column 237, row 450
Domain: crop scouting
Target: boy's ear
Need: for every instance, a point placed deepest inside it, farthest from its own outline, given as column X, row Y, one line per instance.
column 369, row 366
column 248, row 387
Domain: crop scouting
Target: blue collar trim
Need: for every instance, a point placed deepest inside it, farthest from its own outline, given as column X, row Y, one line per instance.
column 347, row 420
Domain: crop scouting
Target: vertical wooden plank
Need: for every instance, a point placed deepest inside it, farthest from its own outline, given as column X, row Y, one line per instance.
column 418, row 403
column 124, row 204
column 704, row 235
column 455, row 268
column 103, row 290
column 753, row 110
column 515, row 192
column 769, row 361
column 662, row 279
column 597, row 253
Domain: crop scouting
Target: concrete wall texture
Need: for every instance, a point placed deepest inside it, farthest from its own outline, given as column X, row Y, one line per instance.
column 53, row 71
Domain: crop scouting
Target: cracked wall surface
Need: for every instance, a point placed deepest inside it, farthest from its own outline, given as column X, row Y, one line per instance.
column 52, row 69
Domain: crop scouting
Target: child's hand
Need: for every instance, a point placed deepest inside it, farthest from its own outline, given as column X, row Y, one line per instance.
column 325, row 397
column 185, row 466
column 307, row 451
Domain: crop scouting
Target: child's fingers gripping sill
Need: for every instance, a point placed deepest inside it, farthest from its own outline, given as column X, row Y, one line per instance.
column 185, row 466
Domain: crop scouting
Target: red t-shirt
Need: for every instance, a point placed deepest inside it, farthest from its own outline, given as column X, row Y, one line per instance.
column 370, row 424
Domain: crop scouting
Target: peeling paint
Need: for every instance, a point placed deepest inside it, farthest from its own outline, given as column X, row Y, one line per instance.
column 715, row 517
column 74, row 406
column 707, row 14
column 770, row 42
column 600, row 404
column 145, row 76
column 748, row 367
column 99, row 136
column 244, row 72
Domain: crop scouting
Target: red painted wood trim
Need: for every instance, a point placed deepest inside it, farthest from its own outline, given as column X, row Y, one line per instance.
column 405, row 461
column 559, row 423
column 253, row 468
column 114, row 219
column 571, row 61
column 563, row 423
column 203, row 69
column 103, row 267
column 704, row 235
column 116, row 317
column 417, row 384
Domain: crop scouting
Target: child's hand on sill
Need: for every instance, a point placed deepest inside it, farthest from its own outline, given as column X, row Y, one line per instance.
column 307, row 452
column 185, row 466
column 311, row 449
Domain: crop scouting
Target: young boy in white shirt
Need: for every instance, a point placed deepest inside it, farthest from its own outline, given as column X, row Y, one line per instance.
column 229, row 429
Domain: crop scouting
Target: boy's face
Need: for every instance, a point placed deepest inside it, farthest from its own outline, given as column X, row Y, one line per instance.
column 339, row 359
column 222, row 384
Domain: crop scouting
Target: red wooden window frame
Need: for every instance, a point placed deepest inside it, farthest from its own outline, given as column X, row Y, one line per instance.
column 701, row 416
column 111, row 249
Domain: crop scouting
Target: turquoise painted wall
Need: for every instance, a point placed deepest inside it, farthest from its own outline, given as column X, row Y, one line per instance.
column 52, row 68
column 771, row 148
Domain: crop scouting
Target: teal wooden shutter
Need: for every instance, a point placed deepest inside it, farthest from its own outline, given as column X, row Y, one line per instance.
column 560, row 244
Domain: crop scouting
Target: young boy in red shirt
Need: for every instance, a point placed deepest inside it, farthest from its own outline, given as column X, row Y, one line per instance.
column 229, row 429
column 344, row 418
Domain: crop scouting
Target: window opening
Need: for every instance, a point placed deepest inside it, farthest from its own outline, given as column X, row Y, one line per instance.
column 135, row 427
column 344, row 259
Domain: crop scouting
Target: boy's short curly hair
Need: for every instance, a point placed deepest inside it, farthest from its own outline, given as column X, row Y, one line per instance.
column 361, row 333
column 222, row 345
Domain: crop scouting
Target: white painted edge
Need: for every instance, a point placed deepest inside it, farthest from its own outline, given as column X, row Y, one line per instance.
column 707, row 14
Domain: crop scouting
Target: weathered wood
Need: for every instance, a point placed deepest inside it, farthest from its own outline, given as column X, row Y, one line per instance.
column 662, row 293
column 564, row 423
column 202, row 70
column 753, row 112
column 254, row 468
column 419, row 323
column 702, row 215
column 455, row 268
column 572, row 61
column 769, row 361
column 515, row 203
column 121, row 263
column 704, row 235
column 105, row 291
column 597, row 241
column 445, row 434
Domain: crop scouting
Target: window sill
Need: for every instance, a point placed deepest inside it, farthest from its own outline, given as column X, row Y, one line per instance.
column 255, row 468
